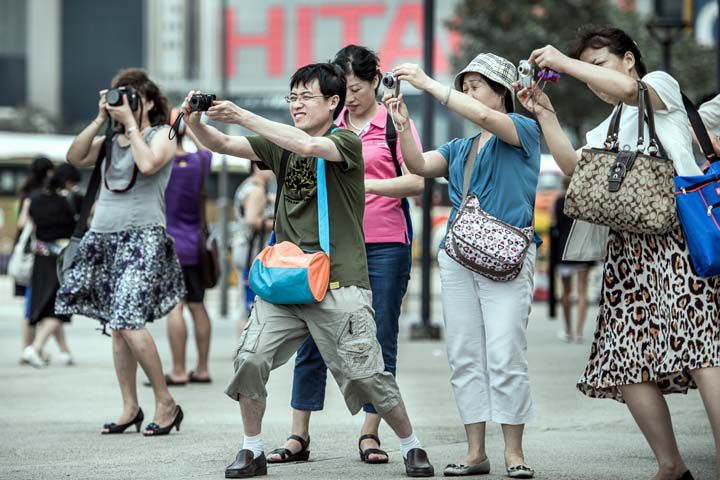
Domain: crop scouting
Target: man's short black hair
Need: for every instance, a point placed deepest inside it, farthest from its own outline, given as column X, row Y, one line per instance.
column 331, row 78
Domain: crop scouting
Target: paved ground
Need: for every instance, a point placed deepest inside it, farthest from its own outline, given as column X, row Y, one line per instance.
column 49, row 418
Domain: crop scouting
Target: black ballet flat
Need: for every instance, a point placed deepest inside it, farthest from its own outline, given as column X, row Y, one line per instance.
column 113, row 428
column 153, row 429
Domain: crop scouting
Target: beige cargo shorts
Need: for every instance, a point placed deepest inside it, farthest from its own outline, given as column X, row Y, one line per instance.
column 343, row 327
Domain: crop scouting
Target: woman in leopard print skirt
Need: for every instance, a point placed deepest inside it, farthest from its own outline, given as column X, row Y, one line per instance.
column 658, row 330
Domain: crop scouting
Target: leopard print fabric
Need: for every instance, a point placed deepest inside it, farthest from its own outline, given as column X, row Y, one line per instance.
column 657, row 320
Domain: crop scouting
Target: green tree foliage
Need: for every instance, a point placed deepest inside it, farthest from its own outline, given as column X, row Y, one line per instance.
column 513, row 29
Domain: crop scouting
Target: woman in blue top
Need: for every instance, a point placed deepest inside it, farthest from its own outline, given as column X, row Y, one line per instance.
column 485, row 320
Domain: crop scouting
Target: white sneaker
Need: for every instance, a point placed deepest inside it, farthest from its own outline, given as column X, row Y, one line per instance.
column 564, row 337
column 66, row 359
column 29, row 355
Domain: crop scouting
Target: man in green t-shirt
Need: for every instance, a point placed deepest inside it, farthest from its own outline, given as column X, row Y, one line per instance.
column 342, row 325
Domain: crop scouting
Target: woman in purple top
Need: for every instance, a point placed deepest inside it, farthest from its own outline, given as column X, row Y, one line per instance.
column 183, row 204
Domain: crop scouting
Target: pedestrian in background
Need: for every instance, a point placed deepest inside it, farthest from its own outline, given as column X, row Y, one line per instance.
column 388, row 246
column 40, row 169
column 253, row 204
column 53, row 215
column 657, row 331
column 125, row 272
column 485, row 320
column 183, row 198
column 562, row 224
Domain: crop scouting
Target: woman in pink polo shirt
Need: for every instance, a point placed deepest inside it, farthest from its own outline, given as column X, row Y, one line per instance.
column 388, row 238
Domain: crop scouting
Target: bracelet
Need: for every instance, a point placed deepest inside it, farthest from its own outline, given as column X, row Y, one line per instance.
column 447, row 95
column 130, row 130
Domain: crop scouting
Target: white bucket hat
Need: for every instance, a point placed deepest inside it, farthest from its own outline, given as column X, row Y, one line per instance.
column 493, row 67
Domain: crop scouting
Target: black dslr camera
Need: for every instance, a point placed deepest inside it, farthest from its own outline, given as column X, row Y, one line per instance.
column 115, row 97
column 201, row 102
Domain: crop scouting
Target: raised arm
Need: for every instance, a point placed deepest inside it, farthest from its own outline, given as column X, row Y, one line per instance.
column 430, row 164
column 537, row 102
column 285, row 136
column 212, row 138
column 498, row 123
column 86, row 146
column 592, row 72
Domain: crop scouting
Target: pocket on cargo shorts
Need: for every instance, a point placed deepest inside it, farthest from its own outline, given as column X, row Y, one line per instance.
column 358, row 347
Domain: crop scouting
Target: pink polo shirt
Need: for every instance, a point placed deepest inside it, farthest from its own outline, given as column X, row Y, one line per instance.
column 384, row 221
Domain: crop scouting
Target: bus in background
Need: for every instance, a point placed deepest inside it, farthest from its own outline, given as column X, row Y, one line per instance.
column 17, row 151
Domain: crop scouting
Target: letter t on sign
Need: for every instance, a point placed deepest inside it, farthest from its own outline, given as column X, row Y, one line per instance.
column 272, row 40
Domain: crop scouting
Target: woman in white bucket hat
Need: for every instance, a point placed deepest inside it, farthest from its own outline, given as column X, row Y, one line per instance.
column 485, row 320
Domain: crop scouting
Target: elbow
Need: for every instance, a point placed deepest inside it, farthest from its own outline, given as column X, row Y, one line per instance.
column 630, row 93
column 309, row 148
column 146, row 168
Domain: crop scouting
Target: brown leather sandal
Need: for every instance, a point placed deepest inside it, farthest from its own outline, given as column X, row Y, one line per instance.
column 286, row 456
column 365, row 454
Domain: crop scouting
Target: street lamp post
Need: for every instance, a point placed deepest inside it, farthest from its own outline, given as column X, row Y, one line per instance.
column 665, row 27
column 424, row 329
column 222, row 201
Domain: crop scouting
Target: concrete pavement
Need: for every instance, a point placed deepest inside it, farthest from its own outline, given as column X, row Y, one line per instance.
column 49, row 418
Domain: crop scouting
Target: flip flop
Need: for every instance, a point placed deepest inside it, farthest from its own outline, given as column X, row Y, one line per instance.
column 194, row 379
column 169, row 381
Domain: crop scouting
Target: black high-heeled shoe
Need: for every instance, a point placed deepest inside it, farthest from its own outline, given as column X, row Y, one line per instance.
column 113, row 427
column 153, row 429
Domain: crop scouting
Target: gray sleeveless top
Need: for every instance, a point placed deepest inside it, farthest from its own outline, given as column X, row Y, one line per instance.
column 140, row 207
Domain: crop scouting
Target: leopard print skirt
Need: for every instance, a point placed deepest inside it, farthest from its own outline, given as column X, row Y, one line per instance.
column 657, row 320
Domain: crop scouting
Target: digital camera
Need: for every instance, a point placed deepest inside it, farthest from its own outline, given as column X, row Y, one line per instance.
column 201, row 102
column 391, row 83
column 114, row 97
column 525, row 74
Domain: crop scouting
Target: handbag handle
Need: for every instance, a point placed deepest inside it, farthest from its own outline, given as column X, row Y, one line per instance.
column 655, row 147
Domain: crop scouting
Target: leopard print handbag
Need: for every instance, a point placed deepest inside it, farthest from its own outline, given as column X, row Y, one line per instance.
column 628, row 191
column 482, row 243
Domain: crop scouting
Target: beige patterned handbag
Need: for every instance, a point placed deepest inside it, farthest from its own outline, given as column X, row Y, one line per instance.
column 629, row 191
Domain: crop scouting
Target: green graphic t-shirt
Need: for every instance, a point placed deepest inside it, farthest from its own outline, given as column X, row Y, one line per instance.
column 297, row 219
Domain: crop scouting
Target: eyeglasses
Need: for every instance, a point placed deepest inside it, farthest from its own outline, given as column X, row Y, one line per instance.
column 304, row 98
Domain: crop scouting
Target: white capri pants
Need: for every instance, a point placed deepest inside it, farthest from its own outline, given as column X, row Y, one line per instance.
column 486, row 340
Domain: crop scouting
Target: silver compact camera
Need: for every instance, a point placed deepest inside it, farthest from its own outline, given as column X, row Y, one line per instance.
column 525, row 74
column 391, row 83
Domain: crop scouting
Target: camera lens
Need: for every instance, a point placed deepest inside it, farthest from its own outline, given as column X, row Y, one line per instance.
column 388, row 80
column 524, row 68
column 114, row 97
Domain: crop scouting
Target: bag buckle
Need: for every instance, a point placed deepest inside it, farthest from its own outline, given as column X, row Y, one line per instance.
column 623, row 163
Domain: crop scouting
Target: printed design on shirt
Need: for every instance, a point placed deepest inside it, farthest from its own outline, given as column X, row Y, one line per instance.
column 301, row 181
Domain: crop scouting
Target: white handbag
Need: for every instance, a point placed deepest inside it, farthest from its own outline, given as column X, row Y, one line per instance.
column 20, row 266
column 586, row 242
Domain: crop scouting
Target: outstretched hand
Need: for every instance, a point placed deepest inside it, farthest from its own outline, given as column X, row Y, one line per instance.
column 191, row 118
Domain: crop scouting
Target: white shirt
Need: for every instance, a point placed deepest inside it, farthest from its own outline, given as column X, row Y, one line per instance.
column 671, row 125
column 710, row 114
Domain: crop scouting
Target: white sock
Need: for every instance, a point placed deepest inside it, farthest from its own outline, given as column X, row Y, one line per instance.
column 254, row 444
column 407, row 444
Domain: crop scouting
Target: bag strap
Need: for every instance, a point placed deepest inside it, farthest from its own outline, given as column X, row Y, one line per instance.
column 611, row 140
column 699, row 129
column 391, row 140
column 469, row 165
column 93, row 187
column 645, row 107
column 323, row 216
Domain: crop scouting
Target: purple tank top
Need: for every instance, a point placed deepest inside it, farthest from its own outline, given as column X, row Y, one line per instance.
column 182, row 200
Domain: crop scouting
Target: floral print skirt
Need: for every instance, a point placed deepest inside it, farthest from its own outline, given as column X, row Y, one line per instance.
column 658, row 321
column 123, row 279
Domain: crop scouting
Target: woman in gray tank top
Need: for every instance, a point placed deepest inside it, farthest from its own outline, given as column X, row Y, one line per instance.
column 125, row 272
